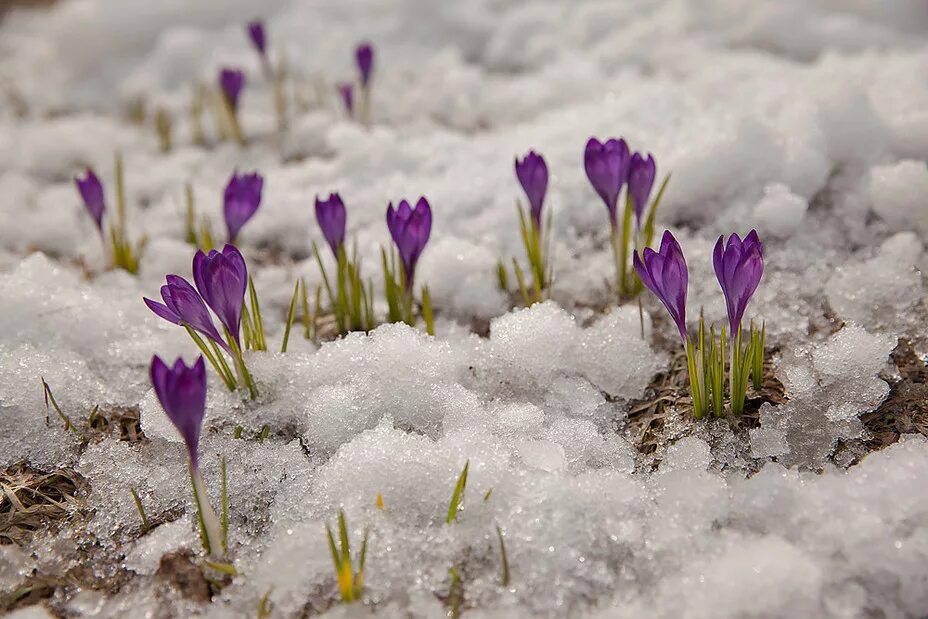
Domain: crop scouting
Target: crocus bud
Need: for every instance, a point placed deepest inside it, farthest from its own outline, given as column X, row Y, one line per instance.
column 241, row 200
column 330, row 214
column 184, row 306
column 182, row 393
column 606, row 166
column 739, row 265
column 410, row 229
column 364, row 55
column 91, row 190
column 665, row 274
column 347, row 93
column 532, row 173
column 257, row 36
column 221, row 278
column 641, row 174
column 231, row 81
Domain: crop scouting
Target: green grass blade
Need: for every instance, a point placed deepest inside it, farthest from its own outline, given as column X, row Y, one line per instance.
column 290, row 314
column 457, row 497
column 504, row 558
column 427, row 311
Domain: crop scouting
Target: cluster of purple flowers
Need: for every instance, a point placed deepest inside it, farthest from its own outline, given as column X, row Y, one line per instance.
column 364, row 62
column 739, row 266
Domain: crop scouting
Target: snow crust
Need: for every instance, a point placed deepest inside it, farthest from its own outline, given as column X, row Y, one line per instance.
column 805, row 119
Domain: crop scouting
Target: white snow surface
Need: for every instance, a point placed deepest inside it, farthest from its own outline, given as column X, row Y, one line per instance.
column 807, row 119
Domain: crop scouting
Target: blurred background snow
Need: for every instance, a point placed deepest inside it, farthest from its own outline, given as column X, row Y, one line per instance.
column 807, row 119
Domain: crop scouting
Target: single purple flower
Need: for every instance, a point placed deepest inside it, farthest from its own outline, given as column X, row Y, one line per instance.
column 183, row 305
column 91, row 190
column 347, row 92
column 532, row 173
column 606, row 166
column 665, row 274
column 221, row 278
column 410, row 229
column 182, row 393
column 739, row 265
column 641, row 174
column 241, row 201
column 231, row 81
column 330, row 214
column 257, row 36
column 364, row 55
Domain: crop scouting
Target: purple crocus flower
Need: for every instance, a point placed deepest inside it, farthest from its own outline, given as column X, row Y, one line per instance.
column 257, row 36
column 330, row 214
column 231, row 81
column 364, row 55
column 532, row 173
column 183, row 305
column 241, row 200
column 221, row 278
column 410, row 228
column 665, row 274
column 607, row 168
column 182, row 393
column 641, row 174
column 739, row 265
column 347, row 92
column 91, row 190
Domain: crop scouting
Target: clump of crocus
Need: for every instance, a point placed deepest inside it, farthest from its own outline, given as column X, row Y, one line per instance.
column 181, row 390
column 532, row 173
column 351, row 302
column 739, row 267
column 241, row 200
column 221, row 280
column 610, row 167
column 410, row 228
column 350, row 581
column 231, row 83
column 364, row 57
column 123, row 254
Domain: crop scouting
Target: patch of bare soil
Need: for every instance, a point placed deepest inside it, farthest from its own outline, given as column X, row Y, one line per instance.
column 665, row 414
column 32, row 501
column 904, row 411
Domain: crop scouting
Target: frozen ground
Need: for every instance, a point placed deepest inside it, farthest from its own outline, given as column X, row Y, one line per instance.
column 807, row 119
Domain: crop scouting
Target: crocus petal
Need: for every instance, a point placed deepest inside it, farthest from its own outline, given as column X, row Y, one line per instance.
column 364, row 55
column 331, row 217
column 222, row 278
column 257, row 35
column 532, row 173
column 665, row 274
column 241, row 200
column 739, row 266
column 347, row 93
column 182, row 394
column 410, row 229
column 231, row 81
column 641, row 174
column 606, row 166
column 91, row 190
column 162, row 310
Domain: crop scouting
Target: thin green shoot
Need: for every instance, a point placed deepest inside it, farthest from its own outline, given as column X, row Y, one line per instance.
column 290, row 314
column 50, row 398
column 457, row 497
column 138, row 505
column 504, row 558
column 350, row 582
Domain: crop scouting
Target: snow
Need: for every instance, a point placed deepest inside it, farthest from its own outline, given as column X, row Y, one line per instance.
column 806, row 120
